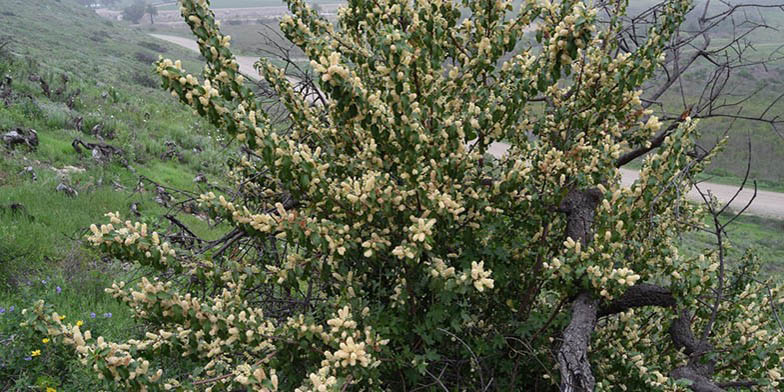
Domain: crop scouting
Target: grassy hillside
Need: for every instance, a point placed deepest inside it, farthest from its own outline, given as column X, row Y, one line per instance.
column 765, row 81
column 101, row 89
column 111, row 84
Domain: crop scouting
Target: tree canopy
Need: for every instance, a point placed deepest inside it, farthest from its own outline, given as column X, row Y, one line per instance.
column 151, row 10
column 134, row 12
column 375, row 245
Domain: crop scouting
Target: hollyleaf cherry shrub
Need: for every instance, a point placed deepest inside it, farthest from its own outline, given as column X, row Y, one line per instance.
column 382, row 249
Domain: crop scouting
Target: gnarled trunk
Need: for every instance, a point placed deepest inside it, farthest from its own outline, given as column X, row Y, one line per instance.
column 576, row 374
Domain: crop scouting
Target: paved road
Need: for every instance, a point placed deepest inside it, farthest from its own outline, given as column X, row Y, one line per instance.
column 769, row 204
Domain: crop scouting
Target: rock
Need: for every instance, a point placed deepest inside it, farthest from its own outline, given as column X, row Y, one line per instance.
column 163, row 198
column 118, row 186
column 135, row 209
column 101, row 152
column 66, row 170
column 67, row 190
column 172, row 150
column 97, row 129
column 29, row 169
column 5, row 90
column 78, row 123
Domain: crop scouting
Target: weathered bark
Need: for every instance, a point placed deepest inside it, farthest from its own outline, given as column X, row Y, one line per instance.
column 101, row 152
column 700, row 383
column 637, row 296
column 697, row 370
column 576, row 374
column 20, row 136
column 580, row 207
column 575, row 369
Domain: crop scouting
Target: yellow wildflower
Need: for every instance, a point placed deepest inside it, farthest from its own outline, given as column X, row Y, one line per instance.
column 35, row 353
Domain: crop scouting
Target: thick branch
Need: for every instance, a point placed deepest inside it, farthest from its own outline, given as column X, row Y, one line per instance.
column 580, row 206
column 576, row 375
column 652, row 144
column 738, row 384
column 697, row 370
column 699, row 383
column 637, row 296
column 683, row 337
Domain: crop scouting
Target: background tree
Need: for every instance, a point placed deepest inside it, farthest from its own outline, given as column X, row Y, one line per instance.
column 134, row 12
column 152, row 11
column 374, row 242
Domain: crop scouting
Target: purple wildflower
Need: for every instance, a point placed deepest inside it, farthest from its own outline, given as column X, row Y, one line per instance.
column 58, row 290
column 11, row 309
column 43, row 281
column 107, row 315
column 2, row 310
column 92, row 314
column 28, row 358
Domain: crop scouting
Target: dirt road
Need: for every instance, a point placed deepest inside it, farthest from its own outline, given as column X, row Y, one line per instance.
column 245, row 62
column 768, row 204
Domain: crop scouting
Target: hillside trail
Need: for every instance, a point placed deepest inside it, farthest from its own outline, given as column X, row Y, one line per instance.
column 245, row 62
column 766, row 204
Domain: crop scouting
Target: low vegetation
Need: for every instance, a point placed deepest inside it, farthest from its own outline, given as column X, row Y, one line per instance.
column 98, row 87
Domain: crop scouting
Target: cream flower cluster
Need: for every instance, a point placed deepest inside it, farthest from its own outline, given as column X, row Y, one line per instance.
column 131, row 236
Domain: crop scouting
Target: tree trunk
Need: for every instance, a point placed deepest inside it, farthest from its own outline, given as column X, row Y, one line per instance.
column 576, row 375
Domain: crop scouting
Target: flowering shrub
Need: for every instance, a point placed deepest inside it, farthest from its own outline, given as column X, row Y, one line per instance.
column 378, row 248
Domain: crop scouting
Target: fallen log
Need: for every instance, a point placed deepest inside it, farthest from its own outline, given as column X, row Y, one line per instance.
column 101, row 152
column 19, row 136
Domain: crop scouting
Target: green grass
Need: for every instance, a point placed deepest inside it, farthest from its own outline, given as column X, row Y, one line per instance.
column 762, row 235
column 80, row 297
column 41, row 236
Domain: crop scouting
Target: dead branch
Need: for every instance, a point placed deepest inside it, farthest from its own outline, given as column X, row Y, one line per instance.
column 101, row 152
column 20, row 136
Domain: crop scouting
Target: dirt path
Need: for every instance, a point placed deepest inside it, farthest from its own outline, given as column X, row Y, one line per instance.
column 245, row 62
column 769, row 204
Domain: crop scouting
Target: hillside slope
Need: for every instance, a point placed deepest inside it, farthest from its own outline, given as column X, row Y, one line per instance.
column 73, row 77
